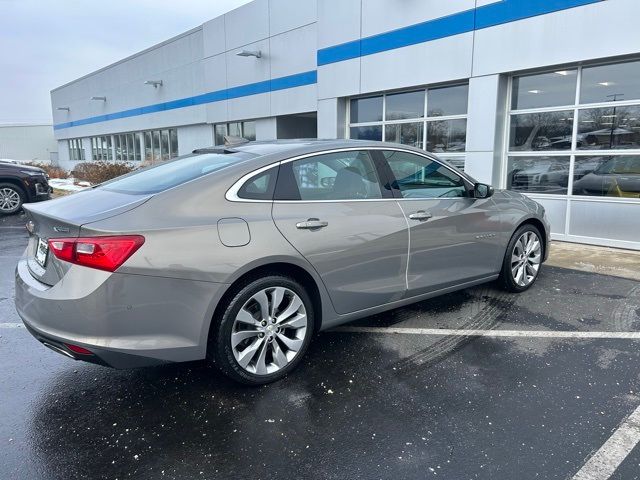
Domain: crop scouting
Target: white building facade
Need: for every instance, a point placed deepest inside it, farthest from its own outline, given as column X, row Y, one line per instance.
column 28, row 142
column 537, row 96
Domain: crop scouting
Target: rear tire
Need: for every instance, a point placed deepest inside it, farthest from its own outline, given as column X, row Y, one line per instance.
column 11, row 198
column 263, row 330
column 522, row 259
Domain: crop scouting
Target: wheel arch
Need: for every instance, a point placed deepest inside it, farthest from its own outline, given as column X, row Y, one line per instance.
column 536, row 222
column 16, row 182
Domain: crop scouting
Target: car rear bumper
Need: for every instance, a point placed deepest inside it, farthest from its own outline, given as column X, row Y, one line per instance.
column 124, row 320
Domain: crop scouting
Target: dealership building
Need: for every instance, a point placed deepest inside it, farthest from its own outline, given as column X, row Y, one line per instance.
column 536, row 96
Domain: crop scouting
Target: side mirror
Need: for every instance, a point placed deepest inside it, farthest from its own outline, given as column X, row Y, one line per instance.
column 482, row 190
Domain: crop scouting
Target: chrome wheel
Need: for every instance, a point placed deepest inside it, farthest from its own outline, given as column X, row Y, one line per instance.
column 9, row 200
column 269, row 330
column 526, row 258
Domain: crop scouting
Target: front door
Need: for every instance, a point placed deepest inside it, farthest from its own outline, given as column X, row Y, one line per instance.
column 332, row 209
column 454, row 238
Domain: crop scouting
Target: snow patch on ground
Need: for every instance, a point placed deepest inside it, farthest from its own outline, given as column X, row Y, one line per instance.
column 68, row 184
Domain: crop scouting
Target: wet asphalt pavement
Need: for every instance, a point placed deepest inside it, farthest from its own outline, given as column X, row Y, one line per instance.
column 361, row 405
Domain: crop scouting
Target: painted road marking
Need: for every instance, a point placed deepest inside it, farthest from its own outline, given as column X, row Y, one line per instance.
column 491, row 333
column 11, row 325
column 608, row 458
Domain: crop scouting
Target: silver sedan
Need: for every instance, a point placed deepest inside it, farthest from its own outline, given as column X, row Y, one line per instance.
column 240, row 254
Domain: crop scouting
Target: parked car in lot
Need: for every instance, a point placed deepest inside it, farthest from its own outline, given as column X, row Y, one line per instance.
column 21, row 184
column 239, row 254
column 614, row 177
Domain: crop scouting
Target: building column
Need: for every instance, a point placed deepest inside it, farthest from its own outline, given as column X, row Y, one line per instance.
column 332, row 118
column 486, row 128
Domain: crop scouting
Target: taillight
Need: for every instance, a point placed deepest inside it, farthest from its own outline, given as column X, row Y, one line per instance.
column 103, row 253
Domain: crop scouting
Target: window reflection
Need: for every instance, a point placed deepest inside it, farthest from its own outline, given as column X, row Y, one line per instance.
column 538, row 174
column 544, row 90
column 610, row 83
column 607, row 176
column 609, row 128
column 405, row 105
column 447, row 101
column 371, row 132
column 366, row 110
column 405, row 133
column 541, row 131
column 447, row 135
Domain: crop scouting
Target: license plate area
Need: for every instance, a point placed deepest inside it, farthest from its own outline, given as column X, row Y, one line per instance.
column 42, row 251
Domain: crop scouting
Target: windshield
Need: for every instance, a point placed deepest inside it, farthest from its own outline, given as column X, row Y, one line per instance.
column 172, row 173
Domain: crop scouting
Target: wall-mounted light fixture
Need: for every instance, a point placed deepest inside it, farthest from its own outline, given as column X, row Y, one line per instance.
column 249, row 53
column 104, row 99
column 64, row 108
column 155, row 83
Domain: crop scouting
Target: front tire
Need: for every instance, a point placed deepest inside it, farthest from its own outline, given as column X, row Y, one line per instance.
column 11, row 198
column 263, row 331
column 522, row 259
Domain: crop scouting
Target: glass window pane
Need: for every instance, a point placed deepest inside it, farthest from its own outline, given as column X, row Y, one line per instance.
column 235, row 129
column 156, row 145
column 337, row 176
column 136, row 146
column 541, row 131
column 420, row 177
column 608, row 83
column 405, row 133
column 373, row 132
column 607, row 176
column 260, row 187
column 173, row 138
column 130, row 150
column 538, row 174
column 109, row 148
column 405, row 105
column 249, row 130
column 165, row 145
column 447, row 135
column 220, row 131
column 366, row 110
column 457, row 161
column 544, row 90
column 447, row 101
column 148, row 152
column 118, row 147
column 609, row 128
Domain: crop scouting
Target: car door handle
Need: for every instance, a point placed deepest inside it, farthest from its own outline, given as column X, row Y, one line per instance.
column 311, row 224
column 420, row 215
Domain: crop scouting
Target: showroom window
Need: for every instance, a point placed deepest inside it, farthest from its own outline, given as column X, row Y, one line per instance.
column 434, row 119
column 576, row 132
column 234, row 129
column 151, row 146
column 76, row 152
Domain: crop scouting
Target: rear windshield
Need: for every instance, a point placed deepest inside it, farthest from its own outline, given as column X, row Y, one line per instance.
column 169, row 174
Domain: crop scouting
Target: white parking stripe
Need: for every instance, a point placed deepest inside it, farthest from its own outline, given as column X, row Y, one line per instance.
column 11, row 325
column 491, row 333
column 608, row 458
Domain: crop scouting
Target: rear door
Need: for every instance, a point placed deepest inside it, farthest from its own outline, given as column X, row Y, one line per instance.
column 454, row 237
column 334, row 210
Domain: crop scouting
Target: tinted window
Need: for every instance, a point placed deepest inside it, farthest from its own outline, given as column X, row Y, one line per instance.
column 371, row 132
column 447, row 101
column 607, row 176
column 608, row 83
column 172, row 173
column 366, row 110
column 420, row 177
column 260, row 187
column 447, row 135
column 405, row 105
column 544, row 90
column 609, row 128
column 541, row 131
column 538, row 174
column 334, row 176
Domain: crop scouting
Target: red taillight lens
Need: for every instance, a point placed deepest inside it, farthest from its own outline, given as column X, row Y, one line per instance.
column 103, row 253
column 78, row 349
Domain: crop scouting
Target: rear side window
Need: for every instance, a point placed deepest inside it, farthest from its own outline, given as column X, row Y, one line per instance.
column 349, row 175
column 173, row 173
column 260, row 187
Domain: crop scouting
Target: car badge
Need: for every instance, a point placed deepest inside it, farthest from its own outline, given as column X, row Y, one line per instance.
column 61, row 229
column 30, row 226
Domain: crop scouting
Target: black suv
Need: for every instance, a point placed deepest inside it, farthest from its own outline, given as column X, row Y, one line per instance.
column 21, row 184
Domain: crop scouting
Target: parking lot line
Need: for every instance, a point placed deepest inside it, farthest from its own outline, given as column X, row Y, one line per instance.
column 608, row 458
column 491, row 333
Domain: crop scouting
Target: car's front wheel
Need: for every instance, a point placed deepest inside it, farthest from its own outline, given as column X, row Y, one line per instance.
column 523, row 259
column 263, row 331
column 11, row 198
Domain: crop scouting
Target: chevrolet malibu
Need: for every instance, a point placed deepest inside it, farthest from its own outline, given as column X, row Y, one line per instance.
column 239, row 254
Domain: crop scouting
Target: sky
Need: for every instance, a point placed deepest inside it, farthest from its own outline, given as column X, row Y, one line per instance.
column 47, row 43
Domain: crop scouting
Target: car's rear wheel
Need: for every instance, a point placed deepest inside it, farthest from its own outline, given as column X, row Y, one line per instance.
column 264, row 330
column 11, row 198
column 523, row 259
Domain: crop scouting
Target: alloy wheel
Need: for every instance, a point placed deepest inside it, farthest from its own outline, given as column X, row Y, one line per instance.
column 269, row 330
column 9, row 199
column 526, row 258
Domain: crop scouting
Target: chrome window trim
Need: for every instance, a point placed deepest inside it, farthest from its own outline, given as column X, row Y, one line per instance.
column 232, row 193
